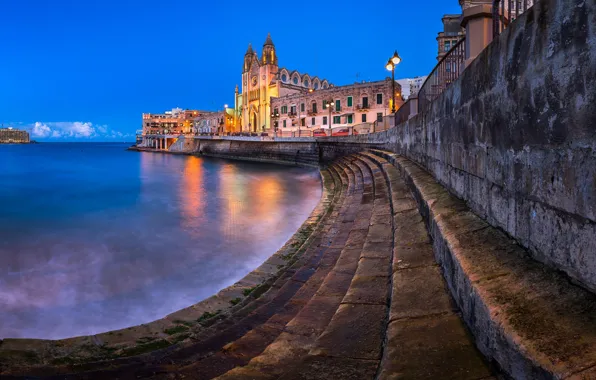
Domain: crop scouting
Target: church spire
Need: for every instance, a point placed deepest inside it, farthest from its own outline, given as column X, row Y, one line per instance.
column 268, row 41
column 248, row 58
column 269, row 55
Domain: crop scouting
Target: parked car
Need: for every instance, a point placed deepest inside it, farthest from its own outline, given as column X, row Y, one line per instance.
column 264, row 134
column 319, row 133
column 343, row 132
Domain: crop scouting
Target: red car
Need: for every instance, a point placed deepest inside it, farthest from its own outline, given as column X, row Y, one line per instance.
column 343, row 132
column 319, row 133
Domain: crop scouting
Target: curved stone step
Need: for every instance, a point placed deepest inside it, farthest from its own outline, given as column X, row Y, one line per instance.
column 300, row 334
column 421, row 308
column 528, row 318
column 240, row 351
column 351, row 344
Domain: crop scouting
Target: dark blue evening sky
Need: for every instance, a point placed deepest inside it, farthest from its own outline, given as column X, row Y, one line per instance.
column 87, row 69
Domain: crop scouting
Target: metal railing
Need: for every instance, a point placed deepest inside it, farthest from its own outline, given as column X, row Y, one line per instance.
column 506, row 11
column 403, row 113
column 445, row 72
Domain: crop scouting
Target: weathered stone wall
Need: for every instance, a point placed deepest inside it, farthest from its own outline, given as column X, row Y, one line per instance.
column 301, row 153
column 515, row 136
column 184, row 145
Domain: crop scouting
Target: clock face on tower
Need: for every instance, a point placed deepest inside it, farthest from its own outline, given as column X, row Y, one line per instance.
column 254, row 81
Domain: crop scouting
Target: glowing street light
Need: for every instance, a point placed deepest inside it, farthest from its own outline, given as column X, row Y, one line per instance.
column 391, row 65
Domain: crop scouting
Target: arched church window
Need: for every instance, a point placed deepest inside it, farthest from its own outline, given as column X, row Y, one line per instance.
column 284, row 78
column 295, row 80
column 316, row 86
column 306, row 83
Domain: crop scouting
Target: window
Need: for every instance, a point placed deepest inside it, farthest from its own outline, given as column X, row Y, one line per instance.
column 336, row 120
column 313, row 121
column 284, row 78
column 324, row 104
column 379, row 116
column 338, row 105
column 303, row 122
column 379, row 98
column 302, row 107
column 349, row 117
column 284, row 123
column 284, row 109
column 295, row 80
column 306, row 83
column 364, row 118
column 447, row 45
column 293, row 110
column 349, row 101
column 365, row 102
column 275, row 111
column 314, row 107
column 316, row 86
column 324, row 120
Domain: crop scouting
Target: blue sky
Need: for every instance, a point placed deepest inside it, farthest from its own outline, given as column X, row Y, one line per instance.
column 87, row 69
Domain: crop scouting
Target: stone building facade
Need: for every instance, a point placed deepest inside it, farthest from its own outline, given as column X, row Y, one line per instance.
column 13, row 136
column 172, row 122
column 451, row 34
column 354, row 104
column 215, row 122
column 262, row 80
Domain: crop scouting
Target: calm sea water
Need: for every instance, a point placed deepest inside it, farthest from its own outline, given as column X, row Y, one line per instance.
column 95, row 238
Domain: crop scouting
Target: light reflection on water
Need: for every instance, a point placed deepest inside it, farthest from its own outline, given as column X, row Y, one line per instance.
column 93, row 238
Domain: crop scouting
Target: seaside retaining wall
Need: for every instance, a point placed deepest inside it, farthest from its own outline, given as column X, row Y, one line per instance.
column 515, row 136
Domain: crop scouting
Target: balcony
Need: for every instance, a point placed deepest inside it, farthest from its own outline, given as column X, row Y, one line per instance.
column 312, row 112
column 292, row 114
column 363, row 107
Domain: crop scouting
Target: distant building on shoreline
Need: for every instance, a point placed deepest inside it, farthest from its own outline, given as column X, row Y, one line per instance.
column 172, row 122
column 14, row 136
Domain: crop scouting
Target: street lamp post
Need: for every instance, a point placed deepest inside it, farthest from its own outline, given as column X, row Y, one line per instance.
column 391, row 65
column 275, row 117
column 330, row 105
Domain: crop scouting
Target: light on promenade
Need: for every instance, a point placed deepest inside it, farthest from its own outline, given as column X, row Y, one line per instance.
column 391, row 65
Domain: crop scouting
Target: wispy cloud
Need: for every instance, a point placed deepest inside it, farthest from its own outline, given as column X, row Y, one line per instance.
column 74, row 130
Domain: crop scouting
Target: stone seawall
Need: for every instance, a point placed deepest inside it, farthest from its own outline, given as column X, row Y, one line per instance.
column 299, row 151
column 515, row 136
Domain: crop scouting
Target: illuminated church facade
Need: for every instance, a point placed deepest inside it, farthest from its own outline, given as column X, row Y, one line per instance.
column 263, row 79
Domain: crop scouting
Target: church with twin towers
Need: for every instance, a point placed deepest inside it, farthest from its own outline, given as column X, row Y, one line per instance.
column 263, row 79
column 298, row 100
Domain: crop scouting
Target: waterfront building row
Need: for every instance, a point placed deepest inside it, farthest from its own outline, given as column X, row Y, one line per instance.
column 338, row 106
